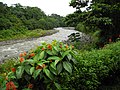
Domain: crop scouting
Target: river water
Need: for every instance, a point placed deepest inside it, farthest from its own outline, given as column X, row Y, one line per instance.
column 13, row 50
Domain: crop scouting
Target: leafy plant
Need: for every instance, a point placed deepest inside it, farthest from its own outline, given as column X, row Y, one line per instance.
column 42, row 68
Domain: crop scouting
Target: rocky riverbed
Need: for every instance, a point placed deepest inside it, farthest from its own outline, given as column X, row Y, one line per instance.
column 13, row 50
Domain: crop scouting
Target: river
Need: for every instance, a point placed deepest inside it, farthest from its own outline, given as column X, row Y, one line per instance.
column 13, row 50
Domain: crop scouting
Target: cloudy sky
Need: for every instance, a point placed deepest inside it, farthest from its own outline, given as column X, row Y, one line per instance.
column 60, row 7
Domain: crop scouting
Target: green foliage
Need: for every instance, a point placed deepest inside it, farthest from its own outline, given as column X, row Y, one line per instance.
column 93, row 67
column 102, row 15
column 29, row 17
column 23, row 33
column 42, row 68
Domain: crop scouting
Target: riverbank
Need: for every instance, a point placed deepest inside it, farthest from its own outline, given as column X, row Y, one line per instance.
column 13, row 50
column 28, row 38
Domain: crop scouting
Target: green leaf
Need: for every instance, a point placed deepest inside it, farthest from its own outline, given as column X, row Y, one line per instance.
column 32, row 69
column 55, row 48
column 69, row 56
column 48, row 73
column 67, row 66
column 36, row 57
column 19, row 71
column 53, row 70
column 30, row 61
column 59, row 68
column 42, row 55
column 65, row 53
column 27, row 68
column 57, row 86
column 56, row 62
column 36, row 73
column 54, row 58
column 53, row 65
column 49, row 52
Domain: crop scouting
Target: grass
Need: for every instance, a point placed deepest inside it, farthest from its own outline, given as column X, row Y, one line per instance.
column 14, row 35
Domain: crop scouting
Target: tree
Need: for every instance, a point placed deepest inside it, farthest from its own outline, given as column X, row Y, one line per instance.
column 102, row 15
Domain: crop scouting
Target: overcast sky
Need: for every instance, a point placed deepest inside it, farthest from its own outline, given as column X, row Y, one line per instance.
column 60, row 7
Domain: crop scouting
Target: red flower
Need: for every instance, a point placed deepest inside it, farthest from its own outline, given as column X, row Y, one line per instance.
column 25, row 53
column 21, row 59
column 30, row 86
column 43, row 65
column 50, row 60
column 43, row 49
column 13, row 69
column 66, row 46
column 21, row 55
column 32, row 54
column 49, row 46
column 10, row 86
column 38, row 67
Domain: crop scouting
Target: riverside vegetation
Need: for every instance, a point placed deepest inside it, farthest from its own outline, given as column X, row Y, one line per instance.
column 17, row 22
column 58, row 66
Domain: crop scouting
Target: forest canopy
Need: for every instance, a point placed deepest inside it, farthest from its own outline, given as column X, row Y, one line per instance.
column 101, row 16
column 27, row 17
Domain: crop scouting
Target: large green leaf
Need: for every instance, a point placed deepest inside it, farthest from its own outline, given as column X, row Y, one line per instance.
column 59, row 67
column 36, row 58
column 53, row 65
column 49, row 52
column 48, row 73
column 32, row 69
column 54, row 58
column 65, row 53
column 36, row 73
column 42, row 55
column 19, row 71
column 27, row 68
column 57, row 86
column 29, row 61
column 69, row 56
column 53, row 70
column 67, row 66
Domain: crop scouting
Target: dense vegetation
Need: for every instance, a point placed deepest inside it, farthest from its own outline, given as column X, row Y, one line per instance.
column 102, row 17
column 16, row 20
column 59, row 66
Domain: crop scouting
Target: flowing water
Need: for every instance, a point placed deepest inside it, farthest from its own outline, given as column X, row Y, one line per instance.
column 13, row 50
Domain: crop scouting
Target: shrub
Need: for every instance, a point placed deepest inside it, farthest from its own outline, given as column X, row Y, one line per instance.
column 94, row 66
column 41, row 68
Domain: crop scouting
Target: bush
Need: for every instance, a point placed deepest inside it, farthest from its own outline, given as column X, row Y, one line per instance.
column 41, row 68
column 94, row 66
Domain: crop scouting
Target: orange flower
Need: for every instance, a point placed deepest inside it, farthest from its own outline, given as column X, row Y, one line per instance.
column 21, row 59
column 43, row 49
column 21, row 55
column 13, row 69
column 66, row 46
column 43, row 65
column 25, row 53
column 49, row 46
column 38, row 67
column 10, row 86
column 32, row 54
column 50, row 60
column 6, row 78
column 30, row 86
column 72, row 46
